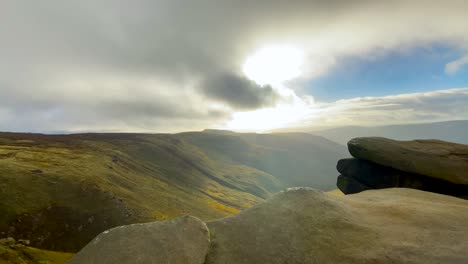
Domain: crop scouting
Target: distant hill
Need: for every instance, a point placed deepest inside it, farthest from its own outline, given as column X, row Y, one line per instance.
column 59, row 191
column 453, row 131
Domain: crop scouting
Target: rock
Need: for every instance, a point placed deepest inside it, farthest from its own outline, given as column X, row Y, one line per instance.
column 377, row 226
column 360, row 175
column 370, row 174
column 9, row 241
column 433, row 158
column 349, row 185
column 25, row 242
column 183, row 240
column 302, row 225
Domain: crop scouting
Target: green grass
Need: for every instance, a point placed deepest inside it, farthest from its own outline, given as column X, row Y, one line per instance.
column 60, row 191
column 20, row 254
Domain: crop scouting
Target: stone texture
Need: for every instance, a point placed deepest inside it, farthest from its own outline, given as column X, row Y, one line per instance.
column 377, row 226
column 302, row 225
column 350, row 185
column 183, row 240
column 433, row 158
column 371, row 174
column 360, row 175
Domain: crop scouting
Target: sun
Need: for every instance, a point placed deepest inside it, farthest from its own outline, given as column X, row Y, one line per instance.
column 274, row 64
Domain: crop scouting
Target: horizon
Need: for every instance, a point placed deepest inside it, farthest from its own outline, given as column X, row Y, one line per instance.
column 312, row 131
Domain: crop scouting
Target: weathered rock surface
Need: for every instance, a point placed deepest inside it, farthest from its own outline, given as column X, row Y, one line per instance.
column 303, row 225
column 433, row 158
column 183, row 240
column 370, row 174
column 308, row 226
column 360, row 175
column 349, row 185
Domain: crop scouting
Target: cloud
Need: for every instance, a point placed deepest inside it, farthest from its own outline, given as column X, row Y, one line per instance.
column 454, row 66
column 239, row 92
column 138, row 65
column 450, row 104
column 97, row 102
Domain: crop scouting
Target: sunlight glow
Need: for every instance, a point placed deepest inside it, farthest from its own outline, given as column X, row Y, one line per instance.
column 274, row 65
column 292, row 110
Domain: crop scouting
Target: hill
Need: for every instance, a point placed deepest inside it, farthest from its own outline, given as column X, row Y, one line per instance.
column 452, row 131
column 59, row 191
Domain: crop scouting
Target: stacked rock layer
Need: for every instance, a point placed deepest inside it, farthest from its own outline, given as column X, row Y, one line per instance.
column 428, row 165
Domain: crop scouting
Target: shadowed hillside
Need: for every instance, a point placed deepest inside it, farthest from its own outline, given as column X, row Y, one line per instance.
column 59, row 191
column 295, row 159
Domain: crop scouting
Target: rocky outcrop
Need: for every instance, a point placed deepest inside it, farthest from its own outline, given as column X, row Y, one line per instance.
column 183, row 240
column 360, row 175
column 303, row 225
column 429, row 165
column 433, row 158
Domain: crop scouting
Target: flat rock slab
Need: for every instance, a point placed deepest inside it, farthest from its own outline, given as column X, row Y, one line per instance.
column 183, row 240
column 350, row 185
column 371, row 174
column 359, row 175
column 378, row 226
column 433, row 158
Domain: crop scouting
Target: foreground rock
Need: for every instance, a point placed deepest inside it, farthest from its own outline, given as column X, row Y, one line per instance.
column 182, row 240
column 433, row 158
column 360, row 175
column 305, row 226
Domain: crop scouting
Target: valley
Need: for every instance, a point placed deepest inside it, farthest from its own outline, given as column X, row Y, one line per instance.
column 59, row 191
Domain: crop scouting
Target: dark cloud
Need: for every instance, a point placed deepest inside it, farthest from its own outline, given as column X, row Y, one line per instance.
column 239, row 92
column 128, row 116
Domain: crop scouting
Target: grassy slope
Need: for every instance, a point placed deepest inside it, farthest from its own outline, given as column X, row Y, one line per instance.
column 20, row 254
column 88, row 183
column 295, row 159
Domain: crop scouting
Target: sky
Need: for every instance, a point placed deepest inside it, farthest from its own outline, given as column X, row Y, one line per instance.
column 172, row 66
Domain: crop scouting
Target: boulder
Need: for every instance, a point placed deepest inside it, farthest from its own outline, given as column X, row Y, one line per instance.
column 302, row 225
column 433, row 158
column 360, row 175
column 183, row 240
column 378, row 226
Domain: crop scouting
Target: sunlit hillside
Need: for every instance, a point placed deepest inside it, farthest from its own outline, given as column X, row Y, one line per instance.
column 59, row 191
